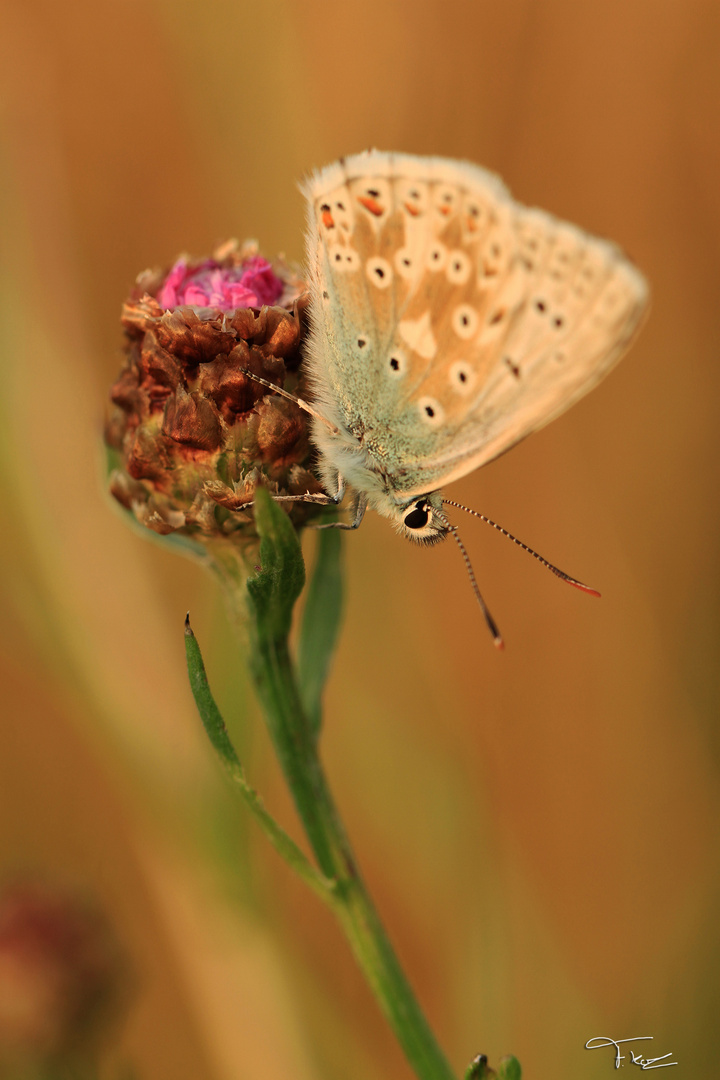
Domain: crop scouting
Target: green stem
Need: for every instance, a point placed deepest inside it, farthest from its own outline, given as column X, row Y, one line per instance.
column 217, row 732
column 291, row 734
column 263, row 603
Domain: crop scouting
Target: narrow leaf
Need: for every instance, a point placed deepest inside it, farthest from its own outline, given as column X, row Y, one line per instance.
column 321, row 623
column 209, row 712
column 217, row 732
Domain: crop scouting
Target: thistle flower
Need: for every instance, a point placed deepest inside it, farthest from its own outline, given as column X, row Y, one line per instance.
column 193, row 434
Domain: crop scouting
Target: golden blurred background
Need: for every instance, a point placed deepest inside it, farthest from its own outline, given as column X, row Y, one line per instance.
column 539, row 828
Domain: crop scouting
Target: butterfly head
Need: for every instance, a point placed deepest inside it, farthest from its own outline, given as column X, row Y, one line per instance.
column 422, row 519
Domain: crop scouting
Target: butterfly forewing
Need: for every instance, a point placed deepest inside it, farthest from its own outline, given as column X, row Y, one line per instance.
column 450, row 321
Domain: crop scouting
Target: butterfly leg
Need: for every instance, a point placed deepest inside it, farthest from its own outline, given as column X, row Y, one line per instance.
column 359, row 506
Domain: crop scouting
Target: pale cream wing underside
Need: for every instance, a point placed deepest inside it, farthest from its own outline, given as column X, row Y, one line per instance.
column 451, row 321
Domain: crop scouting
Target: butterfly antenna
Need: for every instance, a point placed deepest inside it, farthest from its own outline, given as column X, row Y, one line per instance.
column 492, row 625
column 548, row 565
column 292, row 397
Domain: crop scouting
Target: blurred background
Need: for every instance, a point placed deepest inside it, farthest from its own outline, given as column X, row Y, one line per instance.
column 539, row 828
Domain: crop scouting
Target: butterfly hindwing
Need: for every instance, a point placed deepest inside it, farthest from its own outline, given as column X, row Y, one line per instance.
column 450, row 321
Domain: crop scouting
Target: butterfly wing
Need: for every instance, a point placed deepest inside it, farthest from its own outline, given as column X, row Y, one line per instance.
column 450, row 321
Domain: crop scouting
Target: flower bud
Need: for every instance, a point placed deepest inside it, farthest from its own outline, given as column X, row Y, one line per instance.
column 193, row 434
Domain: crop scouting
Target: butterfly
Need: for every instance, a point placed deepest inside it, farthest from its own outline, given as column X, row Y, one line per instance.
column 447, row 323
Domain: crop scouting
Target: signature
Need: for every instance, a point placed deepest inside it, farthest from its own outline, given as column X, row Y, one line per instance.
column 644, row 1063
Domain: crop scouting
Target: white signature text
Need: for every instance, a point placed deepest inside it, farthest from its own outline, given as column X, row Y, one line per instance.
column 635, row 1059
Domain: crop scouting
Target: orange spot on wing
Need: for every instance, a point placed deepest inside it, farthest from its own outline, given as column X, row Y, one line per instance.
column 371, row 204
column 327, row 219
column 414, row 210
column 445, row 210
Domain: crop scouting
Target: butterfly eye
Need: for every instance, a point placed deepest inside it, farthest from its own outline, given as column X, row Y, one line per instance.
column 418, row 517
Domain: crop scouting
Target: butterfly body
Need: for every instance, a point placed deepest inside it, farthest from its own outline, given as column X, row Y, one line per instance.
column 448, row 322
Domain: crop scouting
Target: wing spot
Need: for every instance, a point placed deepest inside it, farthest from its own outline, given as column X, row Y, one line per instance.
column 437, row 256
column 325, row 295
column 343, row 258
column 459, row 268
column 540, row 306
column 497, row 317
column 404, row 263
column 379, row 272
column 431, row 411
column 558, row 321
column 397, row 364
column 465, row 321
column 362, row 342
column 512, row 367
column 462, row 377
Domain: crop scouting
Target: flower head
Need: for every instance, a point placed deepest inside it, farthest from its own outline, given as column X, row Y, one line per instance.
column 211, row 283
column 193, row 433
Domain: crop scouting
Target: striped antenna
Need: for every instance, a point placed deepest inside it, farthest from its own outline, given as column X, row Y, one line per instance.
column 292, row 397
column 492, row 625
column 548, row 565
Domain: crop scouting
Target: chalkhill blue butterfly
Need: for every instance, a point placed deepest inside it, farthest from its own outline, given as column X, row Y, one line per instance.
column 447, row 323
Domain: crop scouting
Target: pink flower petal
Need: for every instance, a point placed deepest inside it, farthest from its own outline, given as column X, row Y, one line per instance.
column 211, row 285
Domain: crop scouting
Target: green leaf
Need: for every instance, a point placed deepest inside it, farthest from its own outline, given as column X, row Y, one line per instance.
column 209, row 712
column 274, row 590
column 509, row 1068
column 321, row 623
column 217, row 732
